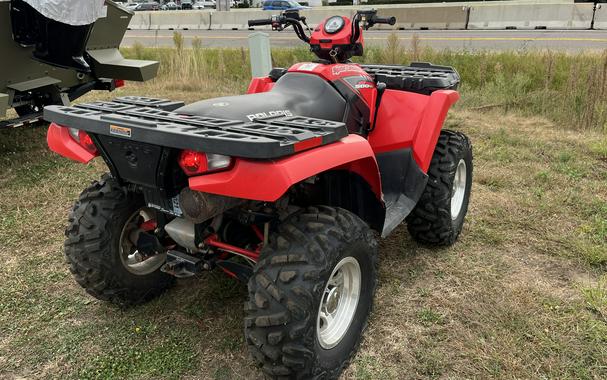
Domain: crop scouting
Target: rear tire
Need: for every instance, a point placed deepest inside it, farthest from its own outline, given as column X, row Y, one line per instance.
column 439, row 215
column 287, row 334
column 92, row 247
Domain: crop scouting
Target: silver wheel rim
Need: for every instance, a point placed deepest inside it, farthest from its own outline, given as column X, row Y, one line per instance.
column 339, row 303
column 130, row 257
column 459, row 189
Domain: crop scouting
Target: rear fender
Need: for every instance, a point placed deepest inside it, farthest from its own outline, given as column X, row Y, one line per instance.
column 270, row 180
column 61, row 142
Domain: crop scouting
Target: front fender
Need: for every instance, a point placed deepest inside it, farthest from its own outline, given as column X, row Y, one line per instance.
column 270, row 180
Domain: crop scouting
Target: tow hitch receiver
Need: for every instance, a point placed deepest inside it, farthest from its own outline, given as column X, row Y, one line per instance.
column 182, row 265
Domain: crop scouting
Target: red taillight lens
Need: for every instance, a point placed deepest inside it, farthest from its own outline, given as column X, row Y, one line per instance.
column 195, row 163
column 118, row 83
column 192, row 162
column 87, row 142
column 84, row 140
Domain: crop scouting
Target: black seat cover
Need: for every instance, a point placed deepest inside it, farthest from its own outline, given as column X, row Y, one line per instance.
column 294, row 94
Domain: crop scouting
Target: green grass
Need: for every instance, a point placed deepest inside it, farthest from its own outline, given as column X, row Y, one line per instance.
column 521, row 295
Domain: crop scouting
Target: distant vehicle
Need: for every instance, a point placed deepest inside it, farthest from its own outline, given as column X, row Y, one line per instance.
column 207, row 3
column 147, row 7
column 186, row 4
column 131, row 6
column 170, row 6
column 198, row 5
column 282, row 5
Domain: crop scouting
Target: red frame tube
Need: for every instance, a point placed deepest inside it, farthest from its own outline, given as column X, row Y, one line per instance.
column 258, row 233
column 213, row 241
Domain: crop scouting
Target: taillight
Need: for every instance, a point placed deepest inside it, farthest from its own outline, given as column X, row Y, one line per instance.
column 118, row 83
column 84, row 140
column 195, row 163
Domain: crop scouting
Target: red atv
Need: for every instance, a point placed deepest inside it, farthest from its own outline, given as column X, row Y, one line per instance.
column 281, row 188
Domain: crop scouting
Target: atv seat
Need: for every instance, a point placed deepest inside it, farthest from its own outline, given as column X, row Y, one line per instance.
column 294, row 94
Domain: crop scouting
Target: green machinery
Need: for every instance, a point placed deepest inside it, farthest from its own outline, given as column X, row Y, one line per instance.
column 27, row 85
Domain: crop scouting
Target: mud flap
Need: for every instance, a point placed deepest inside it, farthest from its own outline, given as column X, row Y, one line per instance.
column 403, row 183
column 109, row 63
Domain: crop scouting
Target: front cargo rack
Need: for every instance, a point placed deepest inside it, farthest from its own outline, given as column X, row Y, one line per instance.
column 261, row 139
column 419, row 77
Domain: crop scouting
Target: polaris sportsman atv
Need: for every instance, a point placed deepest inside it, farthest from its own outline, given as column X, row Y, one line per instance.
column 281, row 188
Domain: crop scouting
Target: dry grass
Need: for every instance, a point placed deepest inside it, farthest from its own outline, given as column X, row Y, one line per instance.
column 522, row 294
column 570, row 90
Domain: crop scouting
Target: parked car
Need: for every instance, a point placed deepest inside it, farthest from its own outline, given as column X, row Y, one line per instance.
column 207, row 4
column 170, row 6
column 186, row 4
column 198, row 5
column 281, row 5
column 131, row 6
column 147, row 7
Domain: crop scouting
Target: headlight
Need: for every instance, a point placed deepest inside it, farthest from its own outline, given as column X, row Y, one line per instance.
column 334, row 24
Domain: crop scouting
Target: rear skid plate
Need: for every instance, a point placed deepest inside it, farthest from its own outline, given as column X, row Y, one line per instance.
column 263, row 139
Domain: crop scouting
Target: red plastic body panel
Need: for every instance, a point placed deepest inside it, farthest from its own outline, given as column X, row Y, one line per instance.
column 327, row 41
column 431, row 124
column 258, row 85
column 408, row 119
column 364, row 87
column 269, row 180
column 330, row 72
column 61, row 142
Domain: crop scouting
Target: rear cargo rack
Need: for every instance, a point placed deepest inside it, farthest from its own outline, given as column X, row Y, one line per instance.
column 419, row 77
column 142, row 101
column 263, row 138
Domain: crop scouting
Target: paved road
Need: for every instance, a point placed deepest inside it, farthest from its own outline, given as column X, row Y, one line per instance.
column 572, row 41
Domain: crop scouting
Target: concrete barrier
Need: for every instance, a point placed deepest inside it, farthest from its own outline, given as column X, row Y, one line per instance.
column 316, row 16
column 141, row 20
column 237, row 19
column 176, row 20
column 443, row 17
column 554, row 14
column 531, row 16
column 600, row 17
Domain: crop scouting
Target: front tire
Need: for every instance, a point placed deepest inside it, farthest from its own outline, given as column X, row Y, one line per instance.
column 95, row 247
column 439, row 215
column 319, row 268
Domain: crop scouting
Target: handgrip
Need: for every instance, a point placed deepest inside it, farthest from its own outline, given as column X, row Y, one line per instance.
column 260, row 22
column 384, row 20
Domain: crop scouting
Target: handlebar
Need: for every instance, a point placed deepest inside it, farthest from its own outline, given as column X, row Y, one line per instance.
column 260, row 22
column 384, row 20
column 287, row 18
column 364, row 19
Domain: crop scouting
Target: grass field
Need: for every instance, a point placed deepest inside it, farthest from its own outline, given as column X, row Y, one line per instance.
column 523, row 294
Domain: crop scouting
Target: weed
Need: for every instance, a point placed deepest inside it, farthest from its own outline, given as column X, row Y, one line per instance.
column 429, row 317
column 596, row 298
